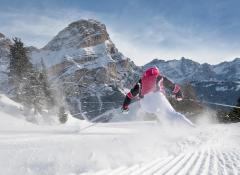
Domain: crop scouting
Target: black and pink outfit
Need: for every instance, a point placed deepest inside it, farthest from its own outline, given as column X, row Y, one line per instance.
column 151, row 81
column 157, row 103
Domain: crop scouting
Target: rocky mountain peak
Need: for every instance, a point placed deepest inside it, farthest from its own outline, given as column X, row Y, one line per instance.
column 79, row 34
column 2, row 36
column 4, row 44
column 236, row 60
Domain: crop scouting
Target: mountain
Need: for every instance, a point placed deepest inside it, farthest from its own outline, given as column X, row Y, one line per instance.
column 225, row 92
column 228, row 70
column 216, row 83
column 185, row 70
column 86, row 67
column 79, row 34
column 5, row 44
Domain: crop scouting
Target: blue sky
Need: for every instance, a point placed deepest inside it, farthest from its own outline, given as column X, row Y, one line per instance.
column 205, row 31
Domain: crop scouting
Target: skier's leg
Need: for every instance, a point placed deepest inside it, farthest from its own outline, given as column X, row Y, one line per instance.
column 177, row 117
column 168, row 111
column 158, row 104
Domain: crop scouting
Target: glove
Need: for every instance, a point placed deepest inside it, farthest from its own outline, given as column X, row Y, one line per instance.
column 179, row 96
column 125, row 109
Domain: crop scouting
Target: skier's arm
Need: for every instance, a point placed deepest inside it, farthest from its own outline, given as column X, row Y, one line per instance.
column 130, row 95
column 174, row 88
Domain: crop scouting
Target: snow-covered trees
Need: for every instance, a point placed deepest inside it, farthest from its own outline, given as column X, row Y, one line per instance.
column 30, row 83
column 19, row 67
column 62, row 115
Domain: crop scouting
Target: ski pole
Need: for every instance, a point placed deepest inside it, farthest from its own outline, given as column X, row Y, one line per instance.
column 217, row 104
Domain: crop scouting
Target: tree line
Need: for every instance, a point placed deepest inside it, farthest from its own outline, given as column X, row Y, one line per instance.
column 29, row 83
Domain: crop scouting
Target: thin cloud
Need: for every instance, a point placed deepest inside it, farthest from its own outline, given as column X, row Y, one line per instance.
column 165, row 40
column 38, row 29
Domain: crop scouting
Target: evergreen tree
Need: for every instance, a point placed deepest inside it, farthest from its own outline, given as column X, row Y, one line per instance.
column 37, row 92
column 30, row 84
column 62, row 115
column 19, row 66
column 19, row 62
column 31, row 92
column 45, row 86
column 234, row 115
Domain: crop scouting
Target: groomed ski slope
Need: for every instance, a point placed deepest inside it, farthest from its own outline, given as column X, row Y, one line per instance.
column 115, row 148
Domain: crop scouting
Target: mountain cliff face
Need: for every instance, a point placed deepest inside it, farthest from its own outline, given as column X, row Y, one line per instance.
column 79, row 34
column 87, row 68
column 4, row 61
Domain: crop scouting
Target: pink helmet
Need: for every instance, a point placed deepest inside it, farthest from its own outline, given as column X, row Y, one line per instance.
column 153, row 71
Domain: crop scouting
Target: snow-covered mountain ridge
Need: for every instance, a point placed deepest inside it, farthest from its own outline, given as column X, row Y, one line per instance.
column 79, row 34
column 186, row 70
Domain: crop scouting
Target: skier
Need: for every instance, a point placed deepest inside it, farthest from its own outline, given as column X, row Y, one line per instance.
column 150, row 82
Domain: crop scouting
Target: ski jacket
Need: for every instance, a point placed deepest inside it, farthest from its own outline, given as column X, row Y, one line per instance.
column 148, row 84
column 150, row 81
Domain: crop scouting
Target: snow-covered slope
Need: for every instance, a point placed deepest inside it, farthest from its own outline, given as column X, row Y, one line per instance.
column 14, row 113
column 119, row 148
column 11, row 113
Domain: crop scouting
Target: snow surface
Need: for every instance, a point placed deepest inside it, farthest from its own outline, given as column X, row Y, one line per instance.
column 136, row 147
